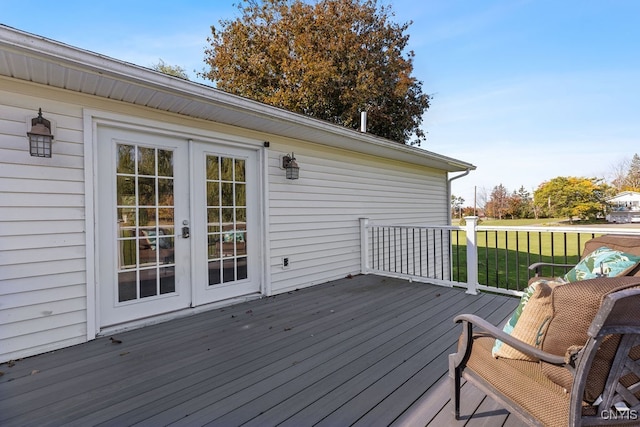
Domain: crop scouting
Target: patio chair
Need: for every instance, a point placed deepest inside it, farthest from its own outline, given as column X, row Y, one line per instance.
column 627, row 243
column 585, row 370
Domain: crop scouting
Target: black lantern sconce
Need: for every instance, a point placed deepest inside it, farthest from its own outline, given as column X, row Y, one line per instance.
column 290, row 166
column 40, row 137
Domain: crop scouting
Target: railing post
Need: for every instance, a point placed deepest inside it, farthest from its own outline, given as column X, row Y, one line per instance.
column 364, row 246
column 472, row 255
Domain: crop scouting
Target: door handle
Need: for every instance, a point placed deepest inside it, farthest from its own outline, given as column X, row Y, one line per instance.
column 185, row 232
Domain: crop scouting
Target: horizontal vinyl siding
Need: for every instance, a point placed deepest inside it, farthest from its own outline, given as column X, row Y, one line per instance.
column 314, row 221
column 42, row 231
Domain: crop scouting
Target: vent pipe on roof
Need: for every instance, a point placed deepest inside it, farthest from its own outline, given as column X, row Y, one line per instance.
column 363, row 122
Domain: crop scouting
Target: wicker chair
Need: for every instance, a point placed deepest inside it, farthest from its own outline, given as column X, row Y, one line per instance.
column 628, row 243
column 587, row 364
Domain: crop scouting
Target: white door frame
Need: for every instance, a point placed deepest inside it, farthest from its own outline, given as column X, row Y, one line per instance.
column 91, row 120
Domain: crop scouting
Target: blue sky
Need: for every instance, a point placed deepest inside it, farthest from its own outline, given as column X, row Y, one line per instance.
column 525, row 90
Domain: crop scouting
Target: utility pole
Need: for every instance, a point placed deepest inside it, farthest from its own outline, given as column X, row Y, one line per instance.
column 475, row 197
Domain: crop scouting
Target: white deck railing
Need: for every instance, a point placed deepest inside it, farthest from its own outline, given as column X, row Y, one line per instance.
column 488, row 258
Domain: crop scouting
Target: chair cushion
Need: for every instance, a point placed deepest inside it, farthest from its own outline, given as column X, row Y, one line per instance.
column 574, row 305
column 530, row 320
column 628, row 243
column 513, row 320
column 604, row 260
column 520, row 381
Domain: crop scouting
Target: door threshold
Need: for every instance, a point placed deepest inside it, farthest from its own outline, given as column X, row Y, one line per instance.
column 185, row 312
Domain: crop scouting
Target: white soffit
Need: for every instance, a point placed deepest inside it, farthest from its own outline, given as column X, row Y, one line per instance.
column 36, row 59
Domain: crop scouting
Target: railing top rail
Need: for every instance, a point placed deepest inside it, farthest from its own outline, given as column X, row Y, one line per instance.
column 554, row 229
column 436, row 227
column 550, row 229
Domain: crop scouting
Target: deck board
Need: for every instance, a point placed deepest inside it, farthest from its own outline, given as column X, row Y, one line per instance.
column 363, row 351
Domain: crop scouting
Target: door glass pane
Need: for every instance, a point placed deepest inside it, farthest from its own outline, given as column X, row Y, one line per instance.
column 148, row 283
column 241, row 243
column 126, row 190
column 128, row 255
column 214, row 245
column 146, row 191
column 166, row 219
column 241, row 195
column 146, row 222
column 241, row 217
column 213, row 219
column 228, row 271
column 147, row 217
column 226, row 169
column 146, row 161
column 127, row 286
column 167, row 280
column 165, row 163
column 226, row 219
column 126, row 159
column 227, row 194
column 213, row 193
column 242, row 268
column 127, row 217
column 213, row 168
column 239, row 172
column 165, row 192
column 214, row 272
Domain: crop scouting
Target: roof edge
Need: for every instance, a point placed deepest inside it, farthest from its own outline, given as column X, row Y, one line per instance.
column 85, row 60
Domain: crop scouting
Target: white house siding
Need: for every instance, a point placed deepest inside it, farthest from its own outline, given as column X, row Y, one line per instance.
column 314, row 221
column 42, row 239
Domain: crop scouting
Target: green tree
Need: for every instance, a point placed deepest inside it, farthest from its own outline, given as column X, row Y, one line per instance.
column 520, row 204
column 330, row 60
column 456, row 205
column 498, row 204
column 626, row 174
column 172, row 70
column 572, row 197
column 632, row 181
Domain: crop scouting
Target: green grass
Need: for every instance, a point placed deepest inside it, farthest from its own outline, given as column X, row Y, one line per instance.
column 504, row 257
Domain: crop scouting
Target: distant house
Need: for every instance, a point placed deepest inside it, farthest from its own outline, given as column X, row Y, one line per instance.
column 161, row 197
column 625, row 207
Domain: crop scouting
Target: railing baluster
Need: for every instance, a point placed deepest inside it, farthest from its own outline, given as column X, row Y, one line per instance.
column 517, row 261
column 435, row 256
column 553, row 247
column 506, row 260
column 458, row 255
column 496, row 256
column 420, row 235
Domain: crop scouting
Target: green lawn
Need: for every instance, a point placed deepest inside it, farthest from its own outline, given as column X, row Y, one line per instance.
column 504, row 256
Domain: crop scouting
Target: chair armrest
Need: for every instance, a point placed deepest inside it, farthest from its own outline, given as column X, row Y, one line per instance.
column 472, row 319
column 538, row 266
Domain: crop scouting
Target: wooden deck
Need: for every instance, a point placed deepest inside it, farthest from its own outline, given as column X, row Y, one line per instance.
column 367, row 351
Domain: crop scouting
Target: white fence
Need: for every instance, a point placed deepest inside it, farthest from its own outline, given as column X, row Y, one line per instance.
column 474, row 257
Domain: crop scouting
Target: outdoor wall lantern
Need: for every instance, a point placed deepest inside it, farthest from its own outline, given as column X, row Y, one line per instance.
column 290, row 166
column 40, row 137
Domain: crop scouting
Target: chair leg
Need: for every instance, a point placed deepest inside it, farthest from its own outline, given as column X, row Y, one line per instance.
column 456, row 394
column 454, row 375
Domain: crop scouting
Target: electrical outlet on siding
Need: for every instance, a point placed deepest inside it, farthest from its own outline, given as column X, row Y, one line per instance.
column 285, row 263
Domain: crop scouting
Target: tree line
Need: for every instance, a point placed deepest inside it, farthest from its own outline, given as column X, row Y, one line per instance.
column 561, row 197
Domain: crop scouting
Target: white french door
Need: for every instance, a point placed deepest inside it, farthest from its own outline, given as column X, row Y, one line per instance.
column 178, row 224
column 226, row 217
